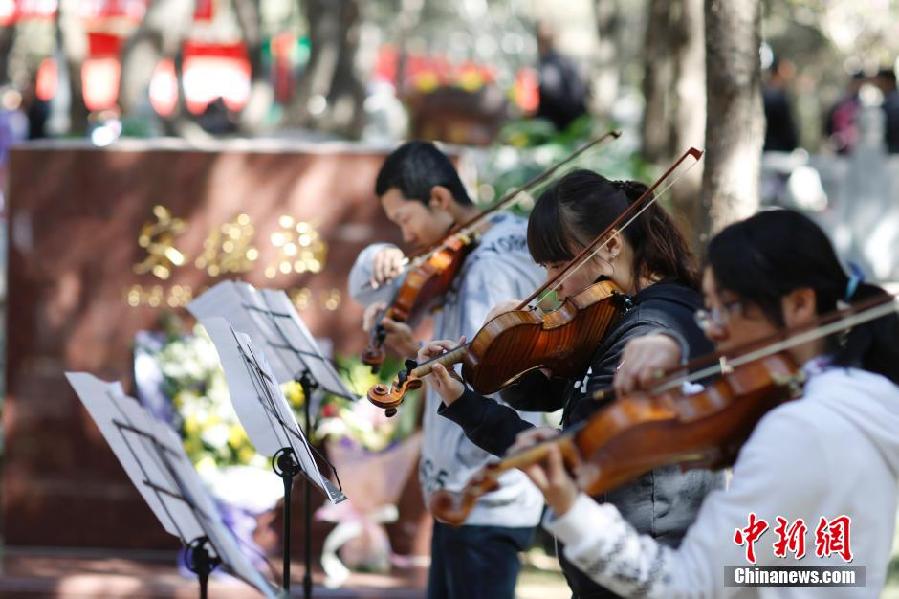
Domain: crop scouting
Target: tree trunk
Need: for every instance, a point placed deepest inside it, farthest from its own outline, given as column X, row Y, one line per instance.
column 608, row 63
column 657, row 82
column 735, row 123
column 7, row 37
column 688, row 106
column 160, row 35
column 330, row 93
column 262, row 92
column 71, row 39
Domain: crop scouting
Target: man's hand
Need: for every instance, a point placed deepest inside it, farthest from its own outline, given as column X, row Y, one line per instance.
column 387, row 264
column 399, row 338
column 444, row 382
column 549, row 475
column 644, row 361
column 370, row 315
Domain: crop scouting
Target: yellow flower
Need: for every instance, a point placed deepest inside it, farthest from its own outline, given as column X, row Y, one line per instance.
column 470, row 81
column 237, row 437
column 427, row 82
column 245, row 454
column 293, row 391
column 191, row 426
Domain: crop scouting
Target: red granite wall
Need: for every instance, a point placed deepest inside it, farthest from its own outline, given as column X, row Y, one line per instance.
column 76, row 214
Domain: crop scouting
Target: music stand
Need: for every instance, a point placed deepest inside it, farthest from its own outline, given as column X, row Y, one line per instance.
column 257, row 398
column 154, row 459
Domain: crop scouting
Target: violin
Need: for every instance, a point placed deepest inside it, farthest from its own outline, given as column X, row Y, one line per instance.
column 431, row 273
column 528, row 337
column 642, row 431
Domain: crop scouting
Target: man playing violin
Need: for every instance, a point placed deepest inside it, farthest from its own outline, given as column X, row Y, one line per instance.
column 819, row 474
column 420, row 191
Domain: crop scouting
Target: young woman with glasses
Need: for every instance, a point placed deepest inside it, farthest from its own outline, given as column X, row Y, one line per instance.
column 820, row 472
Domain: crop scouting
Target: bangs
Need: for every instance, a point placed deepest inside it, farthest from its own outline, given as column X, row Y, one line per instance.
column 546, row 235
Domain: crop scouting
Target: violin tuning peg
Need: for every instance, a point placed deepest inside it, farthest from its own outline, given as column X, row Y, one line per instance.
column 410, row 365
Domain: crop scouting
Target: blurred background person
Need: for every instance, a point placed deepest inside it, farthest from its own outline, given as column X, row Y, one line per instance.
column 780, row 130
column 841, row 123
column 886, row 81
column 562, row 90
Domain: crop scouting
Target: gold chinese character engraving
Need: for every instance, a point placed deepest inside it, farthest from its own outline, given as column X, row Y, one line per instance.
column 158, row 239
column 300, row 249
column 229, row 249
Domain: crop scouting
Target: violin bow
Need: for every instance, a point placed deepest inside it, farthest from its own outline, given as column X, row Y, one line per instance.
column 824, row 326
column 511, row 196
column 633, row 211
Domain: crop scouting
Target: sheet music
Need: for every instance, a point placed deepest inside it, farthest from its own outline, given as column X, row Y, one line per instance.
column 154, row 459
column 299, row 341
column 259, row 403
column 271, row 321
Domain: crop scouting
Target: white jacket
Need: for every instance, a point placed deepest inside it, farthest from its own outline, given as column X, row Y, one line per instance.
column 833, row 452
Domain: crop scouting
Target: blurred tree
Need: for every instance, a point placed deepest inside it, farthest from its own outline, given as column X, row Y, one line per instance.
column 735, row 124
column 7, row 37
column 71, row 40
column 688, row 105
column 674, row 90
column 657, row 82
column 248, row 14
column 330, row 93
column 608, row 57
column 159, row 36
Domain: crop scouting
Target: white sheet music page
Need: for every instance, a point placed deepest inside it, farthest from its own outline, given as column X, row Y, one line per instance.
column 154, row 459
column 298, row 338
column 240, row 304
column 259, row 403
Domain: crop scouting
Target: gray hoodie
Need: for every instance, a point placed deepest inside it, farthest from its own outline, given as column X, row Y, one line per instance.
column 498, row 269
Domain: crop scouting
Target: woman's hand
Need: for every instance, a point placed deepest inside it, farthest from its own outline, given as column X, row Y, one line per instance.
column 445, row 382
column 645, row 360
column 549, row 475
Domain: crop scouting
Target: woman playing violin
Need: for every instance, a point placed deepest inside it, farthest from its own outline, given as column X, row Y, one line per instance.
column 652, row 264
column 821, row 472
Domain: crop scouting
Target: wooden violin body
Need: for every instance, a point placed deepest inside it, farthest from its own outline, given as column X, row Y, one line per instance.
column 519, row 341
column 423, row 284
column 638, row 433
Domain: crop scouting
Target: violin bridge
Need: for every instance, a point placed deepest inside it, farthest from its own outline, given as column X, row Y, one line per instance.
column 724, row 366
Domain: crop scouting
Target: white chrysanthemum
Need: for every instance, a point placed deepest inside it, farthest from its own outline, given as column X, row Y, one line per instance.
column 216, row 436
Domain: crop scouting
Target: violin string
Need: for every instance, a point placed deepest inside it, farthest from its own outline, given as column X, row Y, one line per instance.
column 847, row 322
column 655, row 197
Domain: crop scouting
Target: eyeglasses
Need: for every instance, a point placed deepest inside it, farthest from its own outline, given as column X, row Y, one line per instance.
column 717, row 317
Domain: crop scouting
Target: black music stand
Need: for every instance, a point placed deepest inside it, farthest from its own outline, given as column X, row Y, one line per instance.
column 154, row 459
column 272, row 329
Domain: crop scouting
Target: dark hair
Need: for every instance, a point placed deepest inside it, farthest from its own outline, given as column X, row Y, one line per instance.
column 771, row 254
column 416, row 167
column 580, row 205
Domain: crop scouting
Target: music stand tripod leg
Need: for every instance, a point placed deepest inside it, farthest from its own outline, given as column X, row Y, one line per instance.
column 285, row 465
column 201, row 563
column 308, row 383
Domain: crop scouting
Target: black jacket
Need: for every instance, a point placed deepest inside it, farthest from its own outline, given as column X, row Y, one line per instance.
column 663, row 503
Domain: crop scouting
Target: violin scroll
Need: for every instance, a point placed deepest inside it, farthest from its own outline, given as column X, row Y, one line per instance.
column 390, row 397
